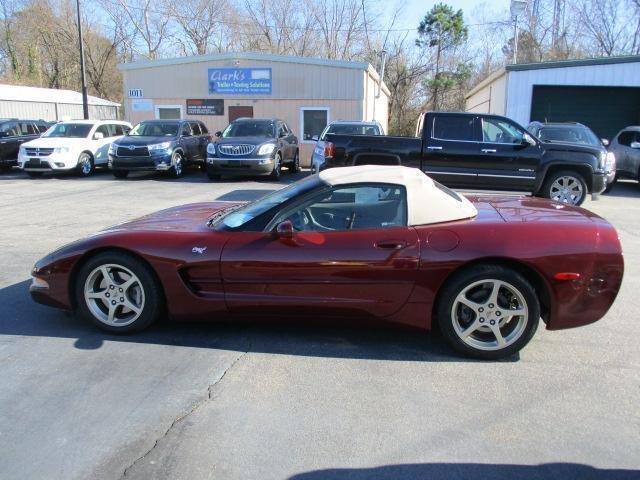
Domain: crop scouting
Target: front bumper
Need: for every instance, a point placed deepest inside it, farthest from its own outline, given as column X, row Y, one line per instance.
column 55, row 162
column 157, row 163
column 240, row 166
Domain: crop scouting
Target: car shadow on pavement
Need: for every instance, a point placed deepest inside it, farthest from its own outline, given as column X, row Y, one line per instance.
column 625, row 188
column 472, row 471
column 21, row 316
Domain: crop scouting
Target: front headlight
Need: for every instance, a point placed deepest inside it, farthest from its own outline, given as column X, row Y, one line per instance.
column 211, row 149
column 61, row 150
column 160, row 146
column 267, row 149
column 611, row 161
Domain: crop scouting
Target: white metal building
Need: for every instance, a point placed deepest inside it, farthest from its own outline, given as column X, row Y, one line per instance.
column 51, row 104
column 306, row 93
column 603, row 93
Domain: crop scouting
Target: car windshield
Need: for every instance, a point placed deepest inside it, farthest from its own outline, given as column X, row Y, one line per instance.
column 235, row 217
column 69, row 130
column 579, row 135
column 351, row 129
column 249, row 129
column 155, row 129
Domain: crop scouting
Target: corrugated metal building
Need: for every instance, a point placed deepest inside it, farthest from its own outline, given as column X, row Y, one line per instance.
column 603, row 93
column 306, row 93
column 51, row 104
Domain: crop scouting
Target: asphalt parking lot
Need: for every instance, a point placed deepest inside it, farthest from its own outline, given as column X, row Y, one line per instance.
column 271, row 401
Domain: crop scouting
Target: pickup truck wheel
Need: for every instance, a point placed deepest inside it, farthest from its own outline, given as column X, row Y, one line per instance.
column 488, row 312
column 178, row 165
column 294, row 167
column 277, row 167
column 120, row 173
column 565, row 187
column 85, row 165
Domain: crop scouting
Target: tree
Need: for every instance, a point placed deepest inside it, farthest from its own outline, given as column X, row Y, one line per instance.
column 443, row 29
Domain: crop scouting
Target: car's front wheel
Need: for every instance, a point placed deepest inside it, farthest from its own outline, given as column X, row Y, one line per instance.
column 85, row 165
column 488, row 312
column 566, row 187
column 177, row 160
column 277, row 167
column 118, row 292
column 294, row 167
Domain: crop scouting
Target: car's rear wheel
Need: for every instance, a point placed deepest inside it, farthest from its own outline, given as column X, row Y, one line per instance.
column 566, row 187
column 85, row 165
column 488, row 312
column 120, row 173
column 277, row 167
column 177, row 160
column 294, row 167
column 118, row 292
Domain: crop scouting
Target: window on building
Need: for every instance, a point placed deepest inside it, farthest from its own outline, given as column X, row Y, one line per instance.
column 453, row 127
column 314, row 121
column 168, row 112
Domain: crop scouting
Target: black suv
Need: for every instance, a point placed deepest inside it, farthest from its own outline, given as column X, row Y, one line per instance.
column 13, row 133
column 480, row 151
column 250, row 146
column 160, row 145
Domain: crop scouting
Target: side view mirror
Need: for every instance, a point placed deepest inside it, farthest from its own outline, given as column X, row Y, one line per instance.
column 98, row 136
column 635, row 145
column 528, row 140
column 315, row 138
column 285, row 229
column 605, row 142
column 218, row 134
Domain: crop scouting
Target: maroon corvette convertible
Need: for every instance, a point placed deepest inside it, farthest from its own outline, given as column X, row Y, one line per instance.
column 376, row 242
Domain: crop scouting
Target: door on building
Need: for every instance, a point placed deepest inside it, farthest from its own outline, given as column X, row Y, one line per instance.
column 239, row 112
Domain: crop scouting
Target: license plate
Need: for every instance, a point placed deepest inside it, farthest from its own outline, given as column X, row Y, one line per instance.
column 35, row 161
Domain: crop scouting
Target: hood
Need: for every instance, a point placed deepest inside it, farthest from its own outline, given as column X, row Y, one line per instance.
column 245, row 140
column 185, row 218
column 523, row 209
column 53, row 142
column 142, row 140
column 573, row 147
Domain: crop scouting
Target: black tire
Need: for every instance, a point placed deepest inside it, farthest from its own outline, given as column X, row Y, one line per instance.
column 177, row 160
column 294, row 167
column 34, row 174
column 462, row 280
column 575, row 176
column 213, row 176
column 120, row 173
column 153, row 295
column 277, row 167
column 86, row 166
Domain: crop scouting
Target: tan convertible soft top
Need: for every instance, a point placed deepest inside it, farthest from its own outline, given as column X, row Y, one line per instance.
column 427, row 202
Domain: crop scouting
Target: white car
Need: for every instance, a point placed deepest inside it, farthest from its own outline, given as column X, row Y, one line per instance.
column 77, row 145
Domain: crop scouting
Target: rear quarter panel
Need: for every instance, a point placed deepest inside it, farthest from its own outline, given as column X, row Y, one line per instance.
column 348, row 148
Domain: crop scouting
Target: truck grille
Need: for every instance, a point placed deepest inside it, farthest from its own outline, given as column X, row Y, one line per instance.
column 141, row 151
column 38, row 152
column 236, row 149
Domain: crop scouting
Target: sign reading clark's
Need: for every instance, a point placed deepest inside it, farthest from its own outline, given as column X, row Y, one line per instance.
column 240, row 81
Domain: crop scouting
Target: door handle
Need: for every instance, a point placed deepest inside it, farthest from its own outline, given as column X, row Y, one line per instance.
column 488, row 150
column 434, row 148
column 391, row 244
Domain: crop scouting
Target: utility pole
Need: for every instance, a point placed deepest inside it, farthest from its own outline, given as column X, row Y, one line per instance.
column 518, row 7
column 83, row 81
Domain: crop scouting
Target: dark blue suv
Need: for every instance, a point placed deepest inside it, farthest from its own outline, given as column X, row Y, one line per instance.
column 160, row 145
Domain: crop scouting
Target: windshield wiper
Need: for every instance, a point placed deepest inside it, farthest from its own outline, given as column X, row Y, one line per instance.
column 221, row 213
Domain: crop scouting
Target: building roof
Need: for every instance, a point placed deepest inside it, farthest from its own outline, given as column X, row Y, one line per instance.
column 427, row 203
column 22, row 93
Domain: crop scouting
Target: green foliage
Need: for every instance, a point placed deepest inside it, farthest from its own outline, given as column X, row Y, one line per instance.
column 442, row 27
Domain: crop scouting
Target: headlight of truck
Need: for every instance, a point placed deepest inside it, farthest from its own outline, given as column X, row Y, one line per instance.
column 156, row 147
column 211, row 149
column 610, row 161
column 61, row 150
column 267, row 149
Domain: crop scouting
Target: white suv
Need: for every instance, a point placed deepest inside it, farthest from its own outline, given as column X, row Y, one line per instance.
column 78, row 145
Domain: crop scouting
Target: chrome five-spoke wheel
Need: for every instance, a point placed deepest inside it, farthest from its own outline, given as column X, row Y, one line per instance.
column 114, row 295
column 488, row 311
column 489, row 314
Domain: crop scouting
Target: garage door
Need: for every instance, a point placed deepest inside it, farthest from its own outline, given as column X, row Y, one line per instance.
column 604, row 109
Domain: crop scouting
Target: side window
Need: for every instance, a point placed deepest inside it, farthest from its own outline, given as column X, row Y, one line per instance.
column 117, row 129
column 281, row 130
column 186, row 130
column 625, row 138
column 195, row 126
column 350, row 208
column 453, row 127
column 499, row 131
column 286, row 128
column 10, row 129
column 42, row 127
column 27, row 128
column 104, row 130
column 203, row 128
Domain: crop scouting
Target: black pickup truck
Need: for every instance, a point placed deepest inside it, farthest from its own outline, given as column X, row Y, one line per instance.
column 470, row 150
